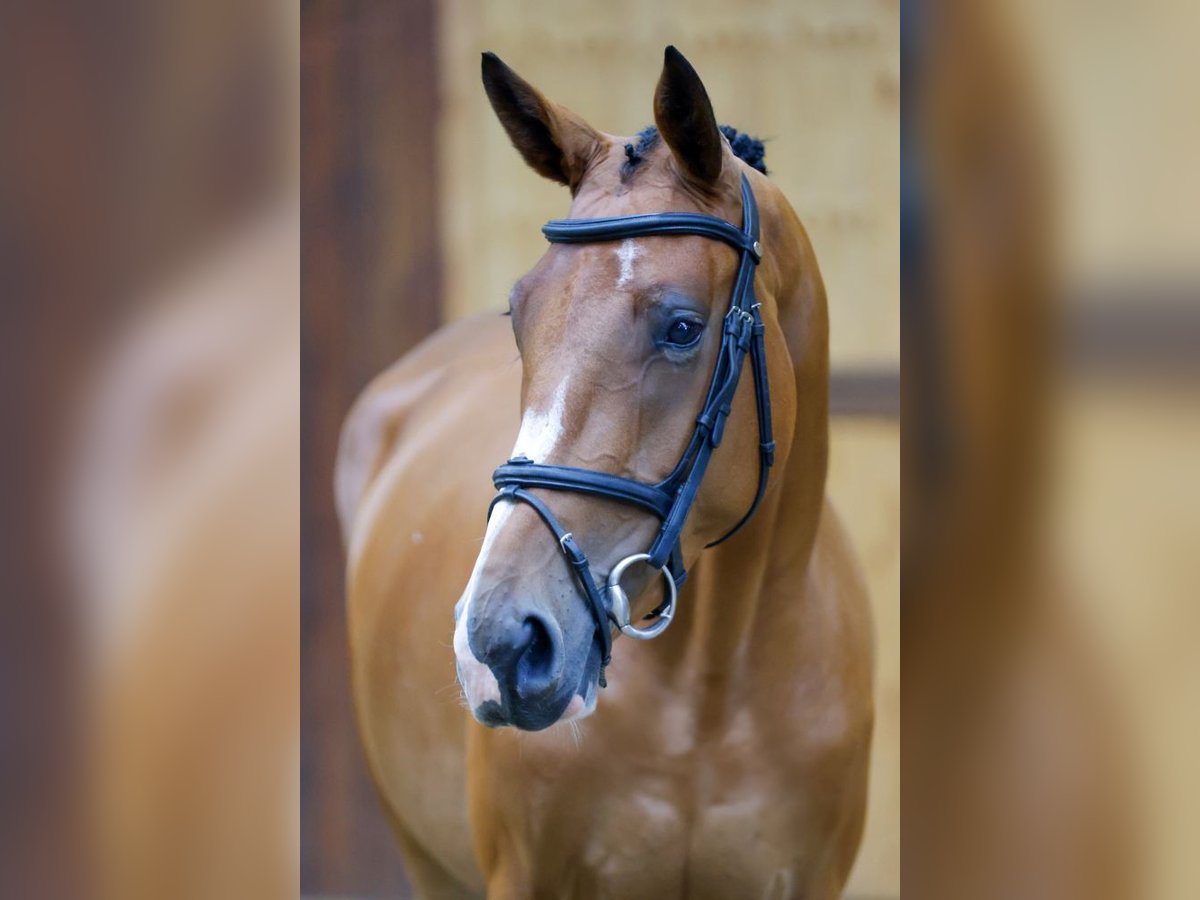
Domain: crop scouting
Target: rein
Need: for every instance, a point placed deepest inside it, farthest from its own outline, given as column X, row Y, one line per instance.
column 671, row 499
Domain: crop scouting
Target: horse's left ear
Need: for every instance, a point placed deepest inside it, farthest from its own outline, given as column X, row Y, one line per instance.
column 684, row 116
column 553, row 140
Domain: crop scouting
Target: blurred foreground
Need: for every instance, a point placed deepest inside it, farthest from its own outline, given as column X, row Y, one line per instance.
column 149, row 639
column 1051, row 428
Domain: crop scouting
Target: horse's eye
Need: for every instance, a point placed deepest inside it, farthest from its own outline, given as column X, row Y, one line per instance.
column 683, row 332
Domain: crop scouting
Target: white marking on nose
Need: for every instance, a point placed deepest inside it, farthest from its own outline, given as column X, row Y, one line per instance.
column 477, row 679
column 539, row 434
column 626, row 254
column 541, row 430
column 578, row 708
column 478, row 682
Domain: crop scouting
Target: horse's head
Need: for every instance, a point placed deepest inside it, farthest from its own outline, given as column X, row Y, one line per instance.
column 618, row 343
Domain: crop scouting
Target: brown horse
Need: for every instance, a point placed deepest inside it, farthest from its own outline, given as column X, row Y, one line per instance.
column 727, row 758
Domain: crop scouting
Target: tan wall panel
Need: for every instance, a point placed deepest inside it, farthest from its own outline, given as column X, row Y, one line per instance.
column 864, row 485
column 1125, row 517
column 819, row 79
column 1118, row 102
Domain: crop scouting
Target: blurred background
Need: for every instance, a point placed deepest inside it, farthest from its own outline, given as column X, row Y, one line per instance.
column 1051, row 279
column 149, row 529
column 417, row 211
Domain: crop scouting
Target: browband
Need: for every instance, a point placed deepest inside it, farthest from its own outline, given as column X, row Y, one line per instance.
column 617, row 228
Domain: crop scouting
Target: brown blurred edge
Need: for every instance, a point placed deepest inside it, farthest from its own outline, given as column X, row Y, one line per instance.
column 371, row 289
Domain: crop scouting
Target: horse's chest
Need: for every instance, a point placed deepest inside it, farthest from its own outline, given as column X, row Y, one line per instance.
column 708, row 837
column 676, row 817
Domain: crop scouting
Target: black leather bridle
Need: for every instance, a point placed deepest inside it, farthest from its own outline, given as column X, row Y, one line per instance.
column 672, row 498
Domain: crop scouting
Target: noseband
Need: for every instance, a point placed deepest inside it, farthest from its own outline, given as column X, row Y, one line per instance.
column 672, row 498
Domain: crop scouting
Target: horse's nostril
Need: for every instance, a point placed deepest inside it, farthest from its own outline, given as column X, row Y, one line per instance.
column 536, row 667
column 524, row 652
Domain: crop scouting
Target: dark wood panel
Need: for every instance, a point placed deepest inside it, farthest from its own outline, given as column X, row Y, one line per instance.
column 1147, row 332
column 865, row 392
column 371, row 290
column 1140, row 330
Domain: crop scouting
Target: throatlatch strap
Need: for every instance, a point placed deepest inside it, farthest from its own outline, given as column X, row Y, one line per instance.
column 766, row 441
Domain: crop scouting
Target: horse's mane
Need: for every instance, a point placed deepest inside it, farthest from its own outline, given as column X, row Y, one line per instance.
column 749, row 150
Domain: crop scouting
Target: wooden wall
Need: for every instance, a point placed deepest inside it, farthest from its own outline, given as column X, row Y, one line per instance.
column 371, row 281
column 864, row 485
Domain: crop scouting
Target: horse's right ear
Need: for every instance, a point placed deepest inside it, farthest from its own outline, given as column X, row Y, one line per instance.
column 553, row 140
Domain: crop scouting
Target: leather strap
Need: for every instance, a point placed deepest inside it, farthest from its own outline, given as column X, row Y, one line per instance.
column 579, row 566
column 671, row 500
column 617, row 228
column 524, row 472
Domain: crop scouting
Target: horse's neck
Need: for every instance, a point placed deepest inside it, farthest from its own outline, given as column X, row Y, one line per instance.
column 732, row 586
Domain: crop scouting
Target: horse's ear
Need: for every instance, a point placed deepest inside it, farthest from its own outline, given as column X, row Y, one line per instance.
column 553, row 140
column 684, row 116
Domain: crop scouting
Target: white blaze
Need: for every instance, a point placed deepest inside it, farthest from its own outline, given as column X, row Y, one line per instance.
column 540, row 431
column 539, row 434
column 626, row 254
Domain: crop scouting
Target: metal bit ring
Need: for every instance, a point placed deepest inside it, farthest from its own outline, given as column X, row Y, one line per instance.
column 618, row 602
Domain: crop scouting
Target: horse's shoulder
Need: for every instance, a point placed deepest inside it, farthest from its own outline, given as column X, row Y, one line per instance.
column 839, row 609
column 452, row 357
column 834, row 555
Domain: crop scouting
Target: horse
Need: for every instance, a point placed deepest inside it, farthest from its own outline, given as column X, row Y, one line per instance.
column 726, row 758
